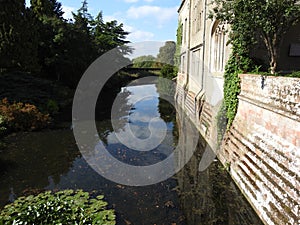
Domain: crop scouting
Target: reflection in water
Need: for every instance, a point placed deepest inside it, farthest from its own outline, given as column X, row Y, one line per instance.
column 210, row 197
column 143, row 137
column 51, row 160
column 31, row 158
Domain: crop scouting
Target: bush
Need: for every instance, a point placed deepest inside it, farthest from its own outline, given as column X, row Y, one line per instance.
column 2, row 128
column 20, row 116
column 2, row 123
column 167, row 71
column 52, row 107
column 63, row 207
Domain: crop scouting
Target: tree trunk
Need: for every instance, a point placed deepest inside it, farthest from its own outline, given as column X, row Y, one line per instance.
column 272, row 45
column 273, row 62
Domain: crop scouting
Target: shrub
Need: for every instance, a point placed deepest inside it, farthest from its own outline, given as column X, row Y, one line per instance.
column 2, row 123
column 20, row 116
column 63, row 207
column 52, row 106
column 167, row 71
column 2, row 129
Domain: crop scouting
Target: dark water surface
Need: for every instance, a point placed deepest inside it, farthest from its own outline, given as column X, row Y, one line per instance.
column 51, row 160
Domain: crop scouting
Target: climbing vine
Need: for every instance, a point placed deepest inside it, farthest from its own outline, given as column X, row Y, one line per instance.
column 240, row 38
column 252, row 21
column 178, row 47
column 238, row 63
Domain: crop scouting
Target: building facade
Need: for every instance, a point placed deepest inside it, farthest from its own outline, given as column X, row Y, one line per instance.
column 204, row 53
column 267, row 169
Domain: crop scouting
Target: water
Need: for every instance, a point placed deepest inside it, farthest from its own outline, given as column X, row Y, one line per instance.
column 36, row 161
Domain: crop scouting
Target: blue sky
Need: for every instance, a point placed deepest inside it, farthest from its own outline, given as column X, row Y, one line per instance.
column 146, row 20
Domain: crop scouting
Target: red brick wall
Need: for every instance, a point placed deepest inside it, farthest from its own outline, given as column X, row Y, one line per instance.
column 263, row 147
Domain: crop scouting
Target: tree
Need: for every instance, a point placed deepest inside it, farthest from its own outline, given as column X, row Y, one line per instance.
column 109, row 35
column 167, row 52
column 50, row 23
column 18, row 44
column 78, row 48
column 269, row 19
column 178, row 45
column 145, row 61
column 39, row 40
column 83, row 19
column 46, row 8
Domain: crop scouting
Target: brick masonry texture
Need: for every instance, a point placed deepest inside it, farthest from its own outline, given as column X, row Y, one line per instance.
column 262, row 148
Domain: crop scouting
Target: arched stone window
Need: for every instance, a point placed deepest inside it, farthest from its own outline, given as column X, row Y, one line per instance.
column 218, row 44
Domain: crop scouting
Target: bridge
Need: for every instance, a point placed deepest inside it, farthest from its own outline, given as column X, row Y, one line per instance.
column 137, row 69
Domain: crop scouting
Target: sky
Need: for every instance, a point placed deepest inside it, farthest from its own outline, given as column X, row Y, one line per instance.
column 146, row 20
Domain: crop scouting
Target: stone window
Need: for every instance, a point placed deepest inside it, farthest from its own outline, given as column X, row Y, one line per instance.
column 218, row 44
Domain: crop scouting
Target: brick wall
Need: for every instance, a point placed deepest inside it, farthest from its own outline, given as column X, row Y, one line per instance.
column 263, row 147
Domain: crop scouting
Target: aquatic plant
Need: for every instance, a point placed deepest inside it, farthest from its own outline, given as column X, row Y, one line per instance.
column 63, row 207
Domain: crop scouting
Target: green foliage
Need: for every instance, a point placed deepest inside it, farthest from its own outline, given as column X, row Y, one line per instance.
column 167, row 71
column 2, row 123
column 20, row 116
column 294, row 74
column 252, row 21
column 242, row 37
column 46, row 8
column 108, row 35
column 267, row 21
column 39, row 40
column 63, row 207
column 52, row 106
column 18, row 47
column 146, row 61
column 237, row 63
column 178, row 46
column 166, row 53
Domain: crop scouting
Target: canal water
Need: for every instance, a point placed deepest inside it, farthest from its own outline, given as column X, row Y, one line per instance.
column 50, row 160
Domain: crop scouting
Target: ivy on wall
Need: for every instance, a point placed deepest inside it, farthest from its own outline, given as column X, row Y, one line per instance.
column 238, row 63
column 240, row 39
column 178, row 47
column 252, row 21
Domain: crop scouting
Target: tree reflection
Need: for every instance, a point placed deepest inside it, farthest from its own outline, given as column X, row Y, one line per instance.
column 120, row 116
column 166, row 90
column 32, row 158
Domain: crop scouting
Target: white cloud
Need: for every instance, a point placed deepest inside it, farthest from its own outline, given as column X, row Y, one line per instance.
column 110, row 18
column 159, row 14
column 68, row 11
column 139, row 35
column 145, row 48
column 135, row 35
column 131, row 1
